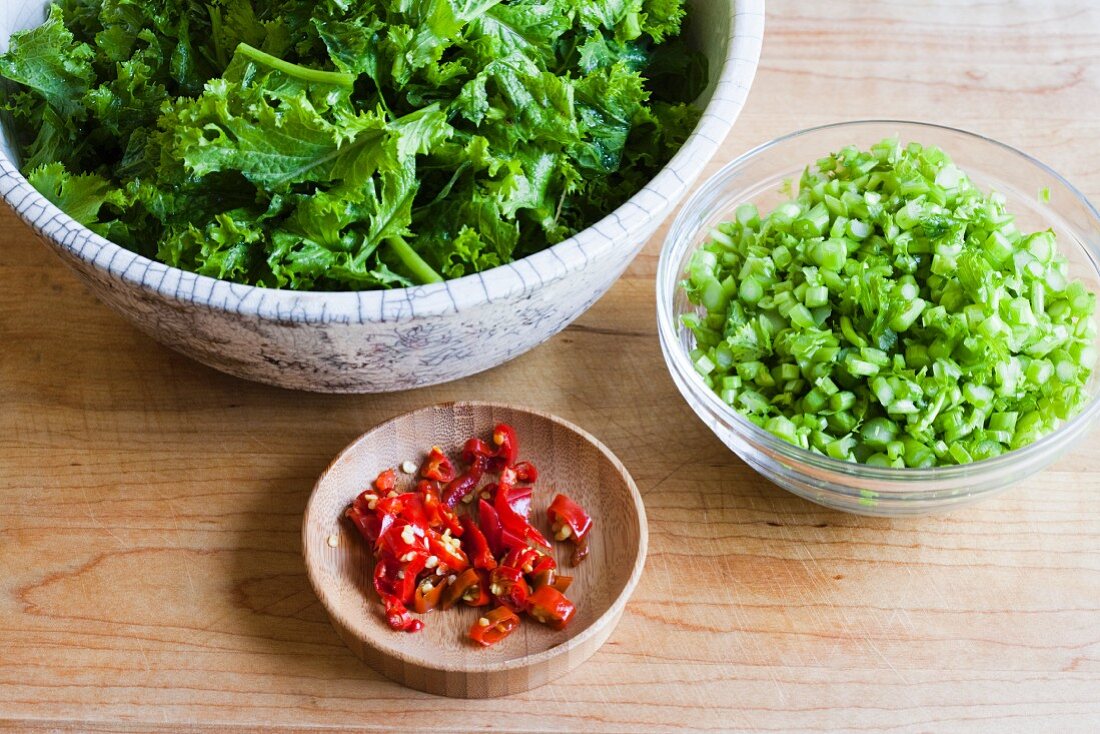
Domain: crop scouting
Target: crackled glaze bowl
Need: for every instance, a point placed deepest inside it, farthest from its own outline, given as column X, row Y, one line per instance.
column 381, row 341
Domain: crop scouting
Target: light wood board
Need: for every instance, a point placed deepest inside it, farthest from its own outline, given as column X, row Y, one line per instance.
column 150, row 562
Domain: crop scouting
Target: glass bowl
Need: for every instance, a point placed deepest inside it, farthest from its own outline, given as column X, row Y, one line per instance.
column 758, row 177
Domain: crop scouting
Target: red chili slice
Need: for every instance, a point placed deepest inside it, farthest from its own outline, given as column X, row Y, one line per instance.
column 522, row 558
column 385, row 481
column 504, row 436
column 500, row 540
column 398, row 617
column 475, row 450
column 562, row 583
column 526, row 473
column 570, row 522
column 448, row 552
column 397, row 579
column 490, row 526
column 470, row 587
column 366, row 522
column 550, row 577
column 553, row 579
column 544, row 562
column 518, row 498
column 476, row 546
column 402, row 540
column 463, row 484
column 439, row 516
column 480, row 596
column 437, row 466
column 549, row 606
column 427, row 594
column 508, row 587
column 494, row 626
column 513, row 522
column 408, row 507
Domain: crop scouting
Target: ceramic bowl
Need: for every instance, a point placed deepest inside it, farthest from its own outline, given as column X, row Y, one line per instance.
column 383, row 341
column 440, row 659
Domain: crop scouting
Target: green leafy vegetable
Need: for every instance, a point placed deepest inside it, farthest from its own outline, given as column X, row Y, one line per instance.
column 892, row 314
column 348, row 144
column 80, row 196
column 49, row 61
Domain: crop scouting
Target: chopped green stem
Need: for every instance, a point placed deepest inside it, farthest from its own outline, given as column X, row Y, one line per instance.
column 891, row 314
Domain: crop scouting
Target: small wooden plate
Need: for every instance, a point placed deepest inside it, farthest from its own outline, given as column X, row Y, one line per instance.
column 440, row 659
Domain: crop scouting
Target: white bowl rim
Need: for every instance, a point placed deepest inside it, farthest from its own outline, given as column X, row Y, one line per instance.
column 900, row 477
column 358, row 307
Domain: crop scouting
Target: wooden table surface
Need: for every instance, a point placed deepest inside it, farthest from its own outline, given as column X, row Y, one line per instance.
column 149, row 539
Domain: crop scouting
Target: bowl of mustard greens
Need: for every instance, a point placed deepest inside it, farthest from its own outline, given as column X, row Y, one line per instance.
column 886, row 317
column 360, row 195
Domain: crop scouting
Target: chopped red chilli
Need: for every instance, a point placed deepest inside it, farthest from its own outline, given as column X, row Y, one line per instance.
column 438, row 466
column 570, row 522
column 464, row 535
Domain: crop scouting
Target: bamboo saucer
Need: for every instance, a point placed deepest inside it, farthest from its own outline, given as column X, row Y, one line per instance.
column 440, row 659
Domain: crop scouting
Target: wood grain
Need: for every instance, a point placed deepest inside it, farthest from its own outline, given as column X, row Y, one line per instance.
column 149, row 544
column 441, row 659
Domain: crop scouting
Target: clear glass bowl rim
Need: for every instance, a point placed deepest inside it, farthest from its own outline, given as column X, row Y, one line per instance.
column 679, row 239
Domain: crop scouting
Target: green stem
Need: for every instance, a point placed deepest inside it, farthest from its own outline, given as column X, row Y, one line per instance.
column 315, row 76
column 421, row 270
column 632, row 26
